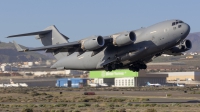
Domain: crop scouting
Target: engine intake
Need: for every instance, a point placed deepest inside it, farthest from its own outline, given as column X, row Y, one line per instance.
column 185, row 44
column 124, row 39
column 182, row 47
column 92, row 43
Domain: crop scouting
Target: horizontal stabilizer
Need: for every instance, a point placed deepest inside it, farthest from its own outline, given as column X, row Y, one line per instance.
column 51, row 48
column 19, row 49
column 32, row 33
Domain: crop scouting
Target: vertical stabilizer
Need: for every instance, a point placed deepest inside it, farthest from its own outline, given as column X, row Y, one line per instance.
column 52, row 38
column 49, row 36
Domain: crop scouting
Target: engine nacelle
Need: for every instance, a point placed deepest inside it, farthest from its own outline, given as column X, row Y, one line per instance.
column 186, row 44
column 92, row 43
column 124, row 39
column 182, row 47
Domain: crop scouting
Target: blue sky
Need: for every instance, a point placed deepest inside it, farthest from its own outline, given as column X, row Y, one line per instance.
column 83, row 18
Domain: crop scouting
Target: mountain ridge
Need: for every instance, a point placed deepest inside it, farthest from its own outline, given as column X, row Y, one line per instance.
column 195, row 39
column 8, row 53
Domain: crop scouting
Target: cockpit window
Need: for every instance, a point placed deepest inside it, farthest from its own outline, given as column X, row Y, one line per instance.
column 180, row 21
column 173, row 23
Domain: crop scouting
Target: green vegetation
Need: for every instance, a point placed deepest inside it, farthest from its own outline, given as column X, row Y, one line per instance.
column 47, row 99
column 169, row 95
column 151, row 110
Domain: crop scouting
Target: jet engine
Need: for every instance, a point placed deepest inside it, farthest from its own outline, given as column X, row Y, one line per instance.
column 92, row 43
column 183, row 46
column 124, row 39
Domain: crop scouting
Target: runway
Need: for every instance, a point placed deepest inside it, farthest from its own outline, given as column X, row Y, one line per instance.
column 153, row 96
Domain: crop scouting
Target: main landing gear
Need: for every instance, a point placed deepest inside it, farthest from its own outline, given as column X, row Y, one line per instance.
column 137, row 66
column 113, row 66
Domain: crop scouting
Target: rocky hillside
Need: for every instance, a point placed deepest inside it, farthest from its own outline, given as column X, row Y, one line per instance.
column 195, row 39
column 8, row 53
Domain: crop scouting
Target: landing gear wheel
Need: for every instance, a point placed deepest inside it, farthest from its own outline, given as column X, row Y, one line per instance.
column 136, row 69
column 114, row 66
column 120, row 65
column 143, row 66
column 108, row 68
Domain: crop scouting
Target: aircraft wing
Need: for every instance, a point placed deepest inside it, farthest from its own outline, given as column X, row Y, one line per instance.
column 63, row 47
column 52, row 48
column 49, row 48
column 59, row 47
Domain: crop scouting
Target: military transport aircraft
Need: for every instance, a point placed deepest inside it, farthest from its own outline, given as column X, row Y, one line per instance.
column 129, row 49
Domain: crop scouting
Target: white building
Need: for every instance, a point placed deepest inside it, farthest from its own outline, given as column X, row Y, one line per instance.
column 37, row 63
column 118, row 82
column 126, row 78
column 125, row 82
column 98, row 80
column 30, row 63
column 42, row 73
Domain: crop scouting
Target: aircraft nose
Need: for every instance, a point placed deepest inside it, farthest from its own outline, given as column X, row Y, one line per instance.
column 186, row 29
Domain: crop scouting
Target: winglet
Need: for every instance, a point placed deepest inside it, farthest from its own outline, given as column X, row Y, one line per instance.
column 19, row 49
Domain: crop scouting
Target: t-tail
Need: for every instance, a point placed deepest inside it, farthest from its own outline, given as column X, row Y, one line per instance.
column 49, row 36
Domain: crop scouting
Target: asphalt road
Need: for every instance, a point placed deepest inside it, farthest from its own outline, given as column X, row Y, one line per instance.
column 151, row 100
column 153, row 96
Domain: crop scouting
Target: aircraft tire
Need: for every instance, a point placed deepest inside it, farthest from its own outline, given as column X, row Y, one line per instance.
column 114, row 66
column 120, row 65
column 109, row 68
column 136, row 69
column 143, row 66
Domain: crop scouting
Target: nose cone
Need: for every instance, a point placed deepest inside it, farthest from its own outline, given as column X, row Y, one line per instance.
column 186, row 29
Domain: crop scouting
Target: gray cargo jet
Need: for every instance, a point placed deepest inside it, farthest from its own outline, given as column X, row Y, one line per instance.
column 129, row 49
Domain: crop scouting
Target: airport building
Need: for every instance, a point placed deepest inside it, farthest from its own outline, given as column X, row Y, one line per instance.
column 180, row 76
column 71, row 82
column 126, row 78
